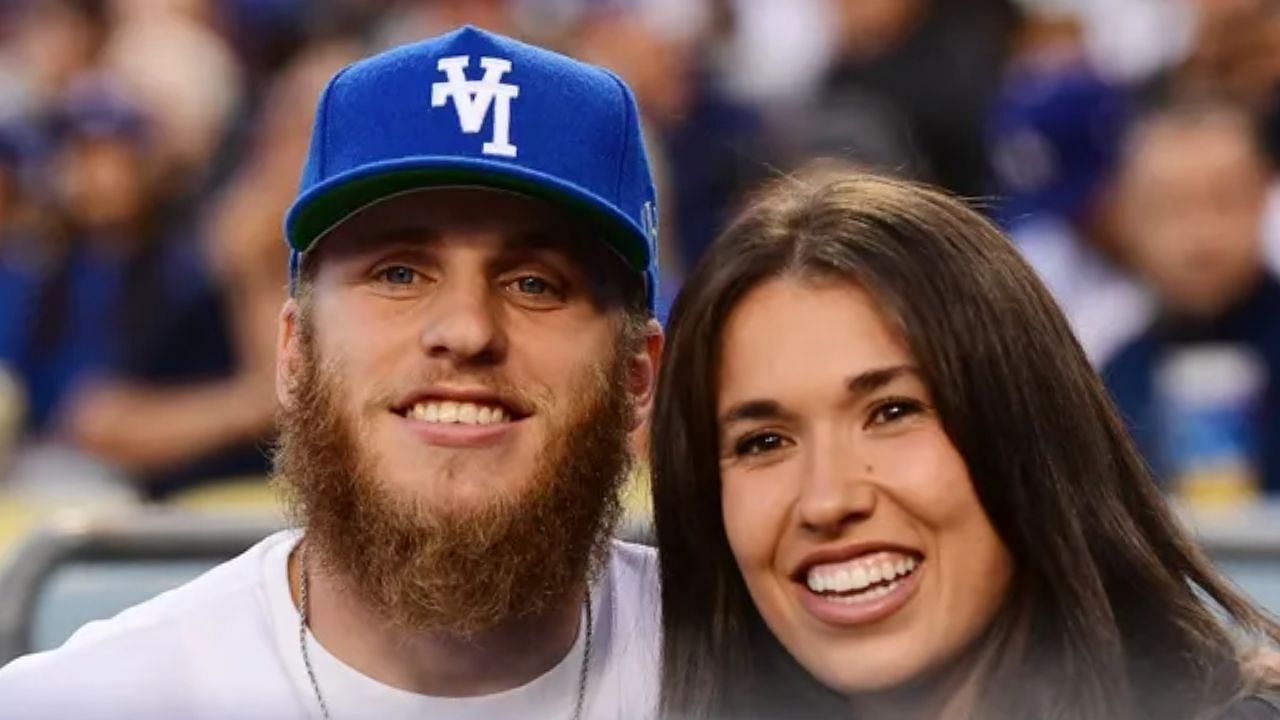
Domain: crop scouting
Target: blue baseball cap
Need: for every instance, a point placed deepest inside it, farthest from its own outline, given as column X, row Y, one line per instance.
column 98, row 107
column 1055, row 138
column 472, row 108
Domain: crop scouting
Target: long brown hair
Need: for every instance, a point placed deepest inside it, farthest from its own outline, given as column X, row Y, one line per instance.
column 1114, row 603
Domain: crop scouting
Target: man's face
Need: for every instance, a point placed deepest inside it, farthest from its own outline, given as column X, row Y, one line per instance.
column 457, row 395
column 1192, row 202
column 102, row 182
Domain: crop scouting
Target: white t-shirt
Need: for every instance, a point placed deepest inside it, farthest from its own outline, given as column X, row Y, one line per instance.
column 225, row 647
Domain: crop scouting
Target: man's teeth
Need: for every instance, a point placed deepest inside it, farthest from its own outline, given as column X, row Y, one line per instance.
column 860, row 573
column 460, row 413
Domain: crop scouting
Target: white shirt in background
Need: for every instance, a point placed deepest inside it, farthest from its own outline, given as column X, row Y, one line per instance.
column 780, row 51
column 1105, row 306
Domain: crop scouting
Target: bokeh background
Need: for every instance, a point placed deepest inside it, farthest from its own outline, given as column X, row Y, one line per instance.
column 149, row 148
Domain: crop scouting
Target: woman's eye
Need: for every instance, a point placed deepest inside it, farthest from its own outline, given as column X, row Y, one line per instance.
column 759, row 444
column 398, row 275
column 895, row 410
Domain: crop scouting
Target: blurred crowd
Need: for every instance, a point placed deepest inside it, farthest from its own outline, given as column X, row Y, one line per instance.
column 149, row 148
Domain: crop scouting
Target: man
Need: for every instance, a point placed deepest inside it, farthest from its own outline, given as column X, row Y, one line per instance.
column 1199, row 384
column 467, row 345
column 1054, row 134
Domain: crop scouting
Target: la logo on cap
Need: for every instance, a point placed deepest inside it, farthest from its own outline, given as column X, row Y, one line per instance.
column 472, row 99
column 649, row 221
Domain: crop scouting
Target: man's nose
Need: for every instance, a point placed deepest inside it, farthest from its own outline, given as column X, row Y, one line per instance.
column 462, row 323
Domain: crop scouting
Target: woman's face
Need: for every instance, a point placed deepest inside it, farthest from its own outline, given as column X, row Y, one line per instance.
column 850, row 513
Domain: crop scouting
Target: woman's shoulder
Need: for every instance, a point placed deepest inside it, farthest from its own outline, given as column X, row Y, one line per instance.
column 1257, row 706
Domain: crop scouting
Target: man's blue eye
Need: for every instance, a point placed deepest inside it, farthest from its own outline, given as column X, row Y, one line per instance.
column 531, row 285
column 399, row 275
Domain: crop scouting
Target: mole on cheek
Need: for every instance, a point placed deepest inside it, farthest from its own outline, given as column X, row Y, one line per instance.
column 870, row 470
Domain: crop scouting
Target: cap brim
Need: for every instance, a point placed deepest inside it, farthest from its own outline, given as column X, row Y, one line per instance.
column 327, row 204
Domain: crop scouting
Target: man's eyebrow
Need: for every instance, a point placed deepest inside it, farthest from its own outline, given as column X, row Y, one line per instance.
column 568, row 241
column 532, row 239
column 579, row 253
column 374, row 240
column 407, row 236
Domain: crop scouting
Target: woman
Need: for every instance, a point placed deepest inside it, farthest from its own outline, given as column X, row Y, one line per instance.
column 888, row 484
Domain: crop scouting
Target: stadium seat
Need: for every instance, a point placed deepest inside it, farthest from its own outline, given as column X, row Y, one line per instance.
column 78, row 569
column 1245, row 544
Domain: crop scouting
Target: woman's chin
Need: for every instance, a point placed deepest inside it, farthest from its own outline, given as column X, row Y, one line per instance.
column 868, row 676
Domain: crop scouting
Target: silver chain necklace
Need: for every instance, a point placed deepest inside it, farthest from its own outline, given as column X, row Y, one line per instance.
column 304, row 607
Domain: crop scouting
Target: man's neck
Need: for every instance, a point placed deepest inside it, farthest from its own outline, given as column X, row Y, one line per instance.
column 1230, row 301
column 435, row 663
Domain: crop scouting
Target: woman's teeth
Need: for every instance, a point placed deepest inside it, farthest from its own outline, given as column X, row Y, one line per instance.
column 459, row 413
column 868, row 577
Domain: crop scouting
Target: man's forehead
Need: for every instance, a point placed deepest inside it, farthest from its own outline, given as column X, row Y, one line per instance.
column 505, row 220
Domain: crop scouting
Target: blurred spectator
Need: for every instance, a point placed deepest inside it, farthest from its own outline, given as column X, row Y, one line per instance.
column 209, row 422
column 188, row 81
column 19, row 268
column 1129, row 41
column 413, row 20
column 1054, row 136
column 127, row 319
column 1200, row 387
column 910, row 88
column 21, row 257
column 56, row 41
column 268, row 34
column 1236, row 54
column 246, row 248
column 709, row 148
column 97, row 175
column 202, row 422
column 775, row 52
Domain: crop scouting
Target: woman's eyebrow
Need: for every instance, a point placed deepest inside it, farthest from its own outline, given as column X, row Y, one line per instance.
column 860, row 385
column 757, row 409
column 869, row 381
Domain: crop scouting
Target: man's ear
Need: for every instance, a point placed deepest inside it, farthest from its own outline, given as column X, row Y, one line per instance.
column 643, row 374
column 288, row 352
